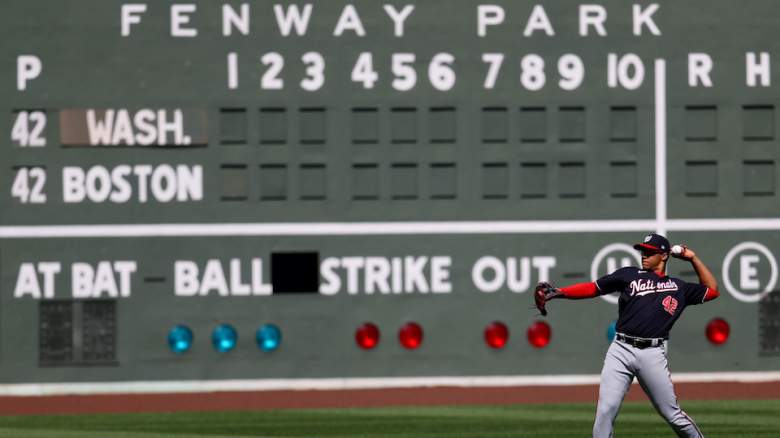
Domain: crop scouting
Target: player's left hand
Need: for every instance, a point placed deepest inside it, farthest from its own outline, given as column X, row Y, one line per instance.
column 543, row 293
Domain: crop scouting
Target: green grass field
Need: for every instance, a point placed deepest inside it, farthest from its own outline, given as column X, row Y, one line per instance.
column 732, row 419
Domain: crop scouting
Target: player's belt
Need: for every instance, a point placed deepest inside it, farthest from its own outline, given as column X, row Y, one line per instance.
column 639, row 342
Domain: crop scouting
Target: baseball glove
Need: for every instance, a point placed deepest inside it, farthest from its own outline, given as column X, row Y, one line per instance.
column 543, row 293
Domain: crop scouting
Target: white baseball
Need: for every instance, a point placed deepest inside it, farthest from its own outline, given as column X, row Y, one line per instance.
column 677, row 249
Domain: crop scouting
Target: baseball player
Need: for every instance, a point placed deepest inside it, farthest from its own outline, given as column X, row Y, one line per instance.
column 650, row 303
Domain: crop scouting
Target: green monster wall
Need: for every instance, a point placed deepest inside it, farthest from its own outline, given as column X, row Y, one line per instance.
column 320, row 165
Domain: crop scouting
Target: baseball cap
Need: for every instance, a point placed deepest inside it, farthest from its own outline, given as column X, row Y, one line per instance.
column 653, row 242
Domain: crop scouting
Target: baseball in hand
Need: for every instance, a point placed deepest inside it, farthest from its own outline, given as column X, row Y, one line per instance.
column 677, row 249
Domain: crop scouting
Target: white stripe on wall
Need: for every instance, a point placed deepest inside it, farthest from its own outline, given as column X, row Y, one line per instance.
column 383, row 228
column 660, row 146
column 196, row 386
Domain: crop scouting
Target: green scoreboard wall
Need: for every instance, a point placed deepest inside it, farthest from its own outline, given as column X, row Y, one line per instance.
column 321, row 165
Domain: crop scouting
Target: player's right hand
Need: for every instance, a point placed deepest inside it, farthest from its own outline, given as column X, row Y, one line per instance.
column 686, row 254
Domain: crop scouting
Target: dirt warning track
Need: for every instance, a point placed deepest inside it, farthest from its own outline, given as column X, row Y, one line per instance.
column 305, row 399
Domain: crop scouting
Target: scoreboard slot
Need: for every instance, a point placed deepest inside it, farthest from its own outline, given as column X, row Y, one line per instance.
column 199, row 168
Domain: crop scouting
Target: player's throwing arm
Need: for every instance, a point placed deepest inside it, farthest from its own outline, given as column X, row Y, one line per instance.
column 650, row 303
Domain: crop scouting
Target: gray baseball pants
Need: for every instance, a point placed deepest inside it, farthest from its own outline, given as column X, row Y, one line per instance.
column 650, row 367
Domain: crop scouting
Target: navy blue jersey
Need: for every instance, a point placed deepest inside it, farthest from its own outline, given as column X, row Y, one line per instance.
column 649, row 304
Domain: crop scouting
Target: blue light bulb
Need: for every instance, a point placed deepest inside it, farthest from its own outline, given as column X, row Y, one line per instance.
column 180, row 339
column 611, row 330
column 224, row 338
column 268, row 337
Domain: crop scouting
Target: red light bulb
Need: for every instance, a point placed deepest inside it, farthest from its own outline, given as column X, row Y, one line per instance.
column 410, row 335
column 367, row 336
column 539, row 334
column 496, row 334
column 718, row 331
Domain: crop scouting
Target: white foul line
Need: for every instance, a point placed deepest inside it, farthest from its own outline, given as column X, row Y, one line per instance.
column 660, row 146
column 201, row 386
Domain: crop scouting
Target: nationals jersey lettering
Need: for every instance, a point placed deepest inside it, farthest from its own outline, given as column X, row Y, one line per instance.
column 649, row 304
column 644, row 287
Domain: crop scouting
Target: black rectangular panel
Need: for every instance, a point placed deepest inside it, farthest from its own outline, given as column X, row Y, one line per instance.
column 295, row 272
column 55, row 333
column 98, row 332
column 769, row 324
column 77, row 333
